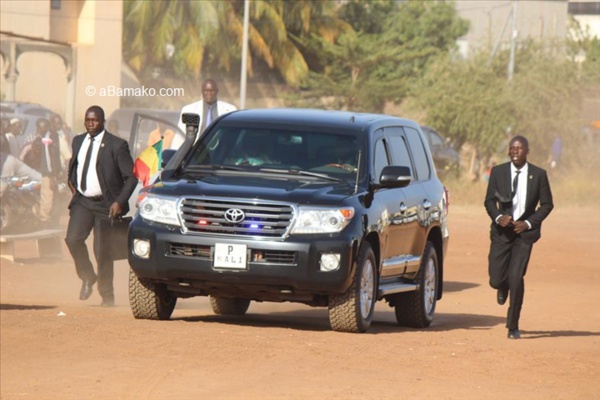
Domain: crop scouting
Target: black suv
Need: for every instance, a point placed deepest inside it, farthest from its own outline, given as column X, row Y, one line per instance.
column 325, row 208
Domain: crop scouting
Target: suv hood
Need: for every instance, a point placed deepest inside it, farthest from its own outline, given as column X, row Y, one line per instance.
column 281, row 188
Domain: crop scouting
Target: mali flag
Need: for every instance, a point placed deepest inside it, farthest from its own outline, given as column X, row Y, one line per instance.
column 148, row 162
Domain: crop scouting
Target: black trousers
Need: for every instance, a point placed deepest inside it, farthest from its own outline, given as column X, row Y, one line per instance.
column 507, row 267
column 82, row 219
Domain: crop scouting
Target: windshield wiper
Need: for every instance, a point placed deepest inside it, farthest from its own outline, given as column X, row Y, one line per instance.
column 214, row 167
column 303, row 173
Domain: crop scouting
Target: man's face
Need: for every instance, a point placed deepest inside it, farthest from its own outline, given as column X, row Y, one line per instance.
column 15, row 128
column 42, row 127
column 209, row 93
column 93, row 123
column 518, row 153
column 56, row 123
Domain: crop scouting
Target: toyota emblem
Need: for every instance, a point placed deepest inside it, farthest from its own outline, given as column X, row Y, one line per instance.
column 234, row 215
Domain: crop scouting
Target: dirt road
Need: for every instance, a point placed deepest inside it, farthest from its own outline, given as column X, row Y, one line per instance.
column 54, row 346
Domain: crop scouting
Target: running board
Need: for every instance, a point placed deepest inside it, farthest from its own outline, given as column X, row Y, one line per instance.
column 395, row 287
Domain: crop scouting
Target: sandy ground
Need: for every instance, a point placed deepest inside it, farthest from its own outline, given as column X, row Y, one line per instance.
column 54, row 346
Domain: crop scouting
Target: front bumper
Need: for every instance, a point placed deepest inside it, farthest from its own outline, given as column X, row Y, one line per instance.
column 276, row 269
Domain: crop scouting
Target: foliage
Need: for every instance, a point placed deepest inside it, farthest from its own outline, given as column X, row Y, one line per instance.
column 208, row 35
column 363, row 70
column 581, row 44
column 474, row 101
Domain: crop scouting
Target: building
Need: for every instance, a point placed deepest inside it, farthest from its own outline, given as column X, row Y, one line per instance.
column 60, row 54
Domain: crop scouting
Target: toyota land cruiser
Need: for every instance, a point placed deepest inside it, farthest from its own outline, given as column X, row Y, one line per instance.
column 326, row 208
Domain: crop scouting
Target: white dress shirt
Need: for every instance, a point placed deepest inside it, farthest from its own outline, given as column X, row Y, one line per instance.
column 93, row 184
column 521, row 193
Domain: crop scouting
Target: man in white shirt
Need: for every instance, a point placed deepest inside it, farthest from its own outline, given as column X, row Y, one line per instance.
column 209, row 108
column 101, row 180
column 518, row 199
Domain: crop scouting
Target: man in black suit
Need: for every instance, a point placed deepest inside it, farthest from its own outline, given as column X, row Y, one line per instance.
column 515, row 190
column 101, row 180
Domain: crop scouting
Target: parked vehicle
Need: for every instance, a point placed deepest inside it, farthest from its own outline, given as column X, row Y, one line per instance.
column 19, row 198
column 25, row 108
column 446, row 158
column 326, row 208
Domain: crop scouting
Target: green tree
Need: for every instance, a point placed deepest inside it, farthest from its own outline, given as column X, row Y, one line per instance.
column 473, row 101
column 361, row 71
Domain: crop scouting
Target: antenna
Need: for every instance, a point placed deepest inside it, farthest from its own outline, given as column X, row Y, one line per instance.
column 357, row 172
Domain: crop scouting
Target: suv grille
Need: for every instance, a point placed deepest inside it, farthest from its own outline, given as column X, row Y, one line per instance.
column 260, row 220
column 257, row 256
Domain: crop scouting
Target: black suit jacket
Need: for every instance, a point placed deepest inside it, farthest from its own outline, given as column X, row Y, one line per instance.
column 498, row 201
column 114, row 168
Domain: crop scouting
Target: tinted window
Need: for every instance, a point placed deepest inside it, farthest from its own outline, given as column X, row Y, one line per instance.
column 434, row 139
column 381, row 158
column 277, row 148
column 399, row 148
column 423, row 170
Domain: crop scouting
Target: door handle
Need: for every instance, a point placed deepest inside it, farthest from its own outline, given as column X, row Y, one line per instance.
column 403, row 208
column 426, row 204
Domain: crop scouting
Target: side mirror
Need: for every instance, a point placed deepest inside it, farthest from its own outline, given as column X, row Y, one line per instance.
column 167, row 154
column 394, row 176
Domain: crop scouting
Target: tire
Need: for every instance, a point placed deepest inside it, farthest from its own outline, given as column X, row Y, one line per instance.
column 149, row 300
column 229, row 306
column 416, row 309
column 5, row 215
column 352, row 311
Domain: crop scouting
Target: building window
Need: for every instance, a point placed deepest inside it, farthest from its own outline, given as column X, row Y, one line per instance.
column 55, row 4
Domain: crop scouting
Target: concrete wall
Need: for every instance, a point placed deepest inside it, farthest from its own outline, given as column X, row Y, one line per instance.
column 94, row 28
column 98, row 56
column 535, row 19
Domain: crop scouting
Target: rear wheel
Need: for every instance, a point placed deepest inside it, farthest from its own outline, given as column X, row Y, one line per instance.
column 352, row 311
column 229, row 306
column 416, row 309
column 149, row 300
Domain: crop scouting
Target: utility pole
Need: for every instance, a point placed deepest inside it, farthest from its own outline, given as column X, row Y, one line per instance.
column 244, row 71
column 513, row 42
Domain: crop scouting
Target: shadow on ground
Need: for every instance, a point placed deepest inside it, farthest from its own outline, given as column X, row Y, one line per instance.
column 10, row 307
column 318, row 320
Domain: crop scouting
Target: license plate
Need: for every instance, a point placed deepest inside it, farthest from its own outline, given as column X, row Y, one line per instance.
column 230, row 256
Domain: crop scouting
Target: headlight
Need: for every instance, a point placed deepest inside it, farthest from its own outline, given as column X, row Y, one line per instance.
column 322, row 220
column 159, row 209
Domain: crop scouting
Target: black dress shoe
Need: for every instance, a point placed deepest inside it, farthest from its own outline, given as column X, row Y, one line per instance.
column 107, row 303
column 502, row 296
column 514, row 334
column 86, row 289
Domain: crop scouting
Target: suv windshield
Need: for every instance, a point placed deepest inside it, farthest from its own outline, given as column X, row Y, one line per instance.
column 277, row 149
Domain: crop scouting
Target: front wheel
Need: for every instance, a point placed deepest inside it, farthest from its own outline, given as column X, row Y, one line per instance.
column 149, row 300
column 229, row 306
column 352, row 311
column 416, row 309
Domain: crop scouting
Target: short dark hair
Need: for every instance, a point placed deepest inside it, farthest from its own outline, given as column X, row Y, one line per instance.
column 96, row 109
column 521, row 139
column 40, row 121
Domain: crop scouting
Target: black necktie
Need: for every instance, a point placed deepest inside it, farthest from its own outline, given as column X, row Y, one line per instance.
column 515, row 184
column 86, row 165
